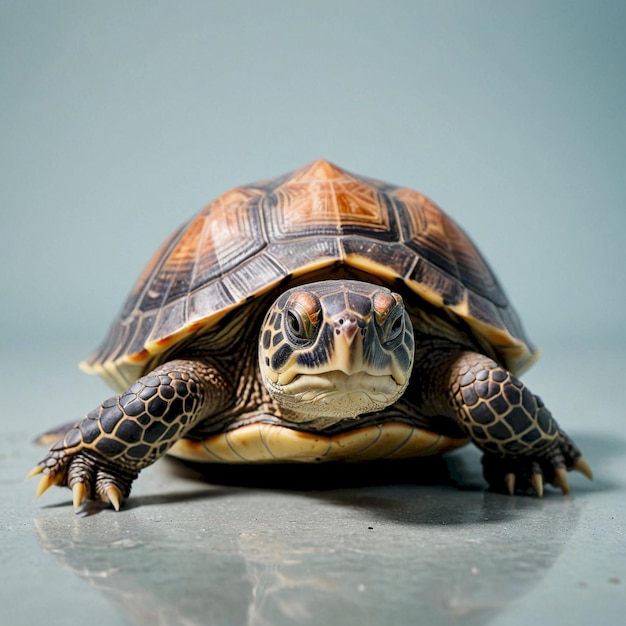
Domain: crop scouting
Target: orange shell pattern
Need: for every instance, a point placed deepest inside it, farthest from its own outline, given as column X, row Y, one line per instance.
column 252, row 238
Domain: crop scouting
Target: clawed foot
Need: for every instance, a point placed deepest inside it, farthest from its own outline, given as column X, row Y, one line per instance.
column 87, row 475
column 529, row 474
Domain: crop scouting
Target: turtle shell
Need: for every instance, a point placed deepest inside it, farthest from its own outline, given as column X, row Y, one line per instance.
column 252, row 238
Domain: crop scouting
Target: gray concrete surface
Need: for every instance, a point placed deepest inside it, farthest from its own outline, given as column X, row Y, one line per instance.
column 368, row 545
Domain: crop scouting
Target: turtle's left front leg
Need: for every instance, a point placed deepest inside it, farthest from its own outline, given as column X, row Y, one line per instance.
column 102, row 455
column 523, row 444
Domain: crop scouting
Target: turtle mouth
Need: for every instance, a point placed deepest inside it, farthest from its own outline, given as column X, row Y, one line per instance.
column 309, row 386
column 337, row 394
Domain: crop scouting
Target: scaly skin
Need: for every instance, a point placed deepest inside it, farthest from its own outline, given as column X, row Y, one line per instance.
column 523, row 444
column 99, row 458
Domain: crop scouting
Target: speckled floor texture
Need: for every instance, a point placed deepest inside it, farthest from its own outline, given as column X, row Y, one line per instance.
column 393, row 544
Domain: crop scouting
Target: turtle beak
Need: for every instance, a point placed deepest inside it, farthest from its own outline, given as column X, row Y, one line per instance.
column 345, row 328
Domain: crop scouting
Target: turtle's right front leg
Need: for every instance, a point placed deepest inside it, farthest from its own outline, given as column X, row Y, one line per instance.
column 100, row 457
column 523, row 444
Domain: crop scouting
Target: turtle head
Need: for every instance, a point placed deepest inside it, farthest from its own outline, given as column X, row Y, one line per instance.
column 336, row 349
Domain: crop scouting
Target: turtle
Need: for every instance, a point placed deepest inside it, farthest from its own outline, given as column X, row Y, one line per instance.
column 316, row 316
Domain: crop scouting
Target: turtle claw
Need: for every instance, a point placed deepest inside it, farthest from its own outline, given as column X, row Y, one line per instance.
column 44, row 484
column 34, row 472
column 529, row 474
column 537, row 484
column 48, row 478
column 89, row 477
column 509, row 481
column 581, row 465
column 560, row 480
column 78, row 495
column 114, row 496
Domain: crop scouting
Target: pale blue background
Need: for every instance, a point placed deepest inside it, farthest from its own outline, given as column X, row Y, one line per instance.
column 120, row 120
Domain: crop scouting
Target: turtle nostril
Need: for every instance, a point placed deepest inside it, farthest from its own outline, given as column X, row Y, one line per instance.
column 348, row 326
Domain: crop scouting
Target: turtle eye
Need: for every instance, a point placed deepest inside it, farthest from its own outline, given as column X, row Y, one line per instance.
column 395, row 329
column 299, row 327
column 295, row 325
column 302, row 317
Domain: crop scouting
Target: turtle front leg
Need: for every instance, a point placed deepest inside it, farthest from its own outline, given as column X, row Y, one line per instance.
column 523, row 444
column 102, row 455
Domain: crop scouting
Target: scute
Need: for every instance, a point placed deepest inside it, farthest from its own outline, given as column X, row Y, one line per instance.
column 439, row 242
column 252, row 238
